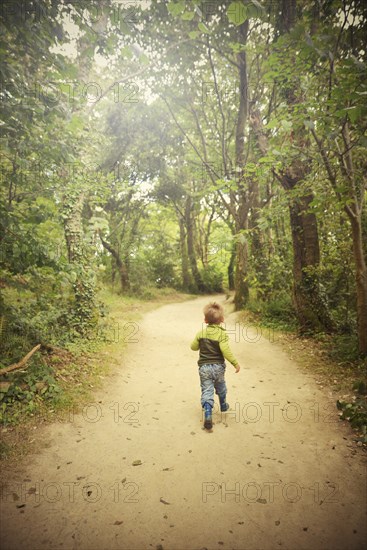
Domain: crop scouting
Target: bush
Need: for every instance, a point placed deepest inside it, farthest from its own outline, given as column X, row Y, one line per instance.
column 277, row 312
column 23, row 392
column 356, row 414
column 345, row 348
column 212, row 279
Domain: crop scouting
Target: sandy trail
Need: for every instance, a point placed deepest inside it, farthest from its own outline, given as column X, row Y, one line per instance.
column 276, row 472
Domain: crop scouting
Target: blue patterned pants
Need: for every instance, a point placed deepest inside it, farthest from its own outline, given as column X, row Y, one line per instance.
column 212, row 377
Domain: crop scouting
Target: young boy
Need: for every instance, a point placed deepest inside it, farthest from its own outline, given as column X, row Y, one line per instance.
column 212, row 341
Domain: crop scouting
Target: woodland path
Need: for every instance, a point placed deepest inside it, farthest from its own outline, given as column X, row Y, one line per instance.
column 276, row 472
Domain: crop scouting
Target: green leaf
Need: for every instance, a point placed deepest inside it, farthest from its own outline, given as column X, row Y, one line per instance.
column 76, row 123
column 188, row 15
column 272, row 124
column 286, row 124
column 144, row 59
column 194, row 34
column 237, row 13
column 126, row 52
column 176, row 8
column 203, row 28
column 354, row 113
column 255, row 10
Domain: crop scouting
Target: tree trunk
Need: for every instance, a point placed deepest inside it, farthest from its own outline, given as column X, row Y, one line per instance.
column 73, row 227
column 121, row 266
column 186, row 279
column 311, row 308
column 191, row 245
column 85, row 311
column 231, row 268
column 361, row 281
column 258, row 254
column 241, row 283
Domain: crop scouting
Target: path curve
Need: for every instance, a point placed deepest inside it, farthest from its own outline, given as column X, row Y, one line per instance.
column 276, row 472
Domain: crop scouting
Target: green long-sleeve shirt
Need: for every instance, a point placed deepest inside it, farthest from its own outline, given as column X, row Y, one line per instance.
column 213, row 343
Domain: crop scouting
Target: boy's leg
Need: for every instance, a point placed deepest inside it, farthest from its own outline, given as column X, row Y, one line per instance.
column 220, row 387
column 207, row 385
column 207, row 392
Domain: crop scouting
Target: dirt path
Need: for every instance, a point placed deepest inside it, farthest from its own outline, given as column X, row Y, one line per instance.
column 276, row 472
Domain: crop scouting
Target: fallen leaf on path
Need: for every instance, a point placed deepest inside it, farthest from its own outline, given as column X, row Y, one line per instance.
column 137, row 463
column 118, row 522
column 167, row 469
column 123, row 480
column 262, row 500
column 164, row 501
column 277, row 522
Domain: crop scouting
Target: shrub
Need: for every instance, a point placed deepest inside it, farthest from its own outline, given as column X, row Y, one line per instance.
column 212, row 279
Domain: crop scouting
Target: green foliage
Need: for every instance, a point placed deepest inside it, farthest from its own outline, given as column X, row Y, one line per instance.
column 238, row 12
column 212, row 278
column 345, row 348
column 356, row 414
column 163, row 154
column 277, row 312
column 24, row 393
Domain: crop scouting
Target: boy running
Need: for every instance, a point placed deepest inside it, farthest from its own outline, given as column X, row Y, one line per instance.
column 212, row 341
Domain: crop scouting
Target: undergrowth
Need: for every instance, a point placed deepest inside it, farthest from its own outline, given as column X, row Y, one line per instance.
column 57, row 380
column 338, row 359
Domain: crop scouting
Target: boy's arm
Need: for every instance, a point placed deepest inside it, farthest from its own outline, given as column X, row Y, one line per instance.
column 195, row 344
column 226, row 350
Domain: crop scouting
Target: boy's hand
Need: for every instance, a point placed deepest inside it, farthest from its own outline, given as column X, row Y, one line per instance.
column 237, row 368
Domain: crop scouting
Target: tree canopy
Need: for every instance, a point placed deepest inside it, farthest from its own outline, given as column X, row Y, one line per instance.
column 205, row 146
